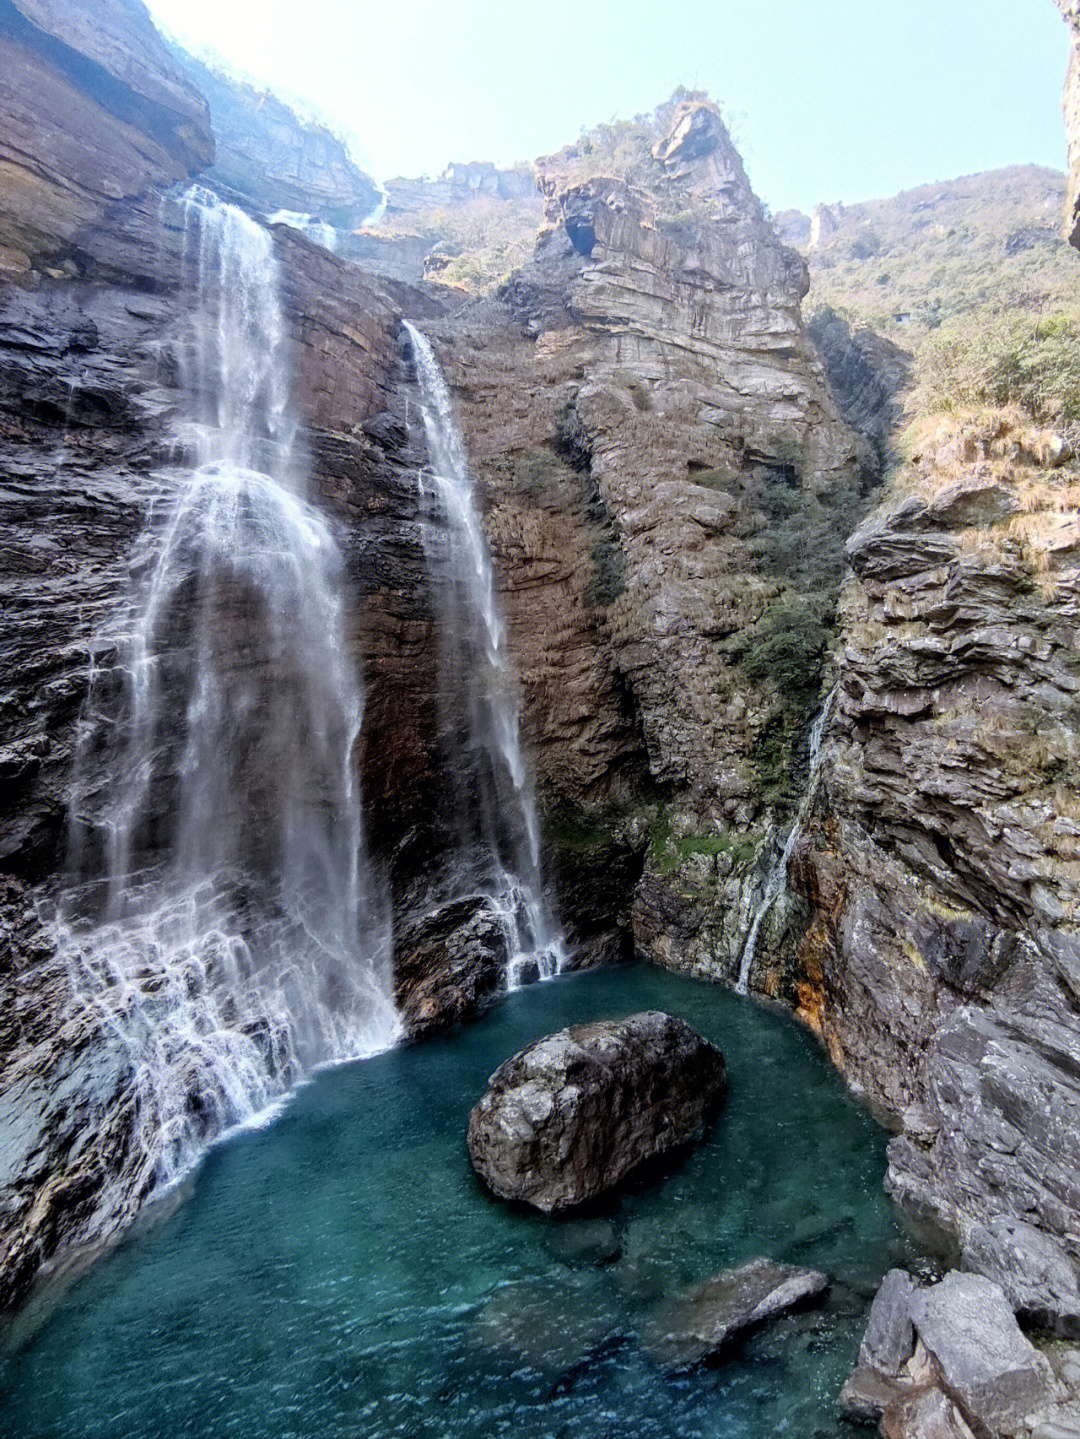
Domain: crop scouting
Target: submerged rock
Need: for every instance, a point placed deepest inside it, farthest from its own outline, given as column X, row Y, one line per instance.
column 572, row 1115
column 703, row 1320
column 866, row 1395
column 551, row 1328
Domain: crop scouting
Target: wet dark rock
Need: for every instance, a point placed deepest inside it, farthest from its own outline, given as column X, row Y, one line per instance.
column 446, row 965
column 571, row 1116
column 1038, row 1277
column 703, row 1321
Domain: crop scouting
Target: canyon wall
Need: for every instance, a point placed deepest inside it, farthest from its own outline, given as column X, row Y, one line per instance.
column 670, row 468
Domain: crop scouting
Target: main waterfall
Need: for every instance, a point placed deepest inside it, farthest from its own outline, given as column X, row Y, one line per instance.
column 495, row 814
column 222, row 916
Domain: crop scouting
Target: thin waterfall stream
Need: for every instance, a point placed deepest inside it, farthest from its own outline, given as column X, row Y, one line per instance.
column 495, row 807
column 222, row 918
column 776, row 880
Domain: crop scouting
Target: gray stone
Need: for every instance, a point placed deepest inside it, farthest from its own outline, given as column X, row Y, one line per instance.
column 994, row 1374
column 702, row 1321
column 1034, row 1271
column 569, row 1117
column 867, row 1394
column 889, row 1341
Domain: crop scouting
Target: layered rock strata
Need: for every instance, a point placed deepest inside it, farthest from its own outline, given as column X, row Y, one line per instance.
column 668, row 474
column 141, row 122
column 268, row 159
column 944, row 872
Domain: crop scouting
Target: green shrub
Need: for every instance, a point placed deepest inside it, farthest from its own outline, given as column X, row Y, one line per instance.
column 667, row 852
column 786, row 647
column 1002, row 359
column 609, row 577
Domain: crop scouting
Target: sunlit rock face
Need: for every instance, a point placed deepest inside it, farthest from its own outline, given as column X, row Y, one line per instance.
column 1070, row 11
column 141, row 122
column 638, row 401
column 268, row 159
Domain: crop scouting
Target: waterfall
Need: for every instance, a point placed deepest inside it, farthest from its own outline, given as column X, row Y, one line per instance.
column 776, row 880
column 495, row 809
column 222, row 919
column 320, row 232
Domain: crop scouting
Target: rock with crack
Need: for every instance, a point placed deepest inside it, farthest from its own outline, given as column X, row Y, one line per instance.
column 989, row 1369
column 701, row 1322
column 889, row 1341
column 1038, row 1277
column 569, row 1117
column 883, row 1376
column 446, row 965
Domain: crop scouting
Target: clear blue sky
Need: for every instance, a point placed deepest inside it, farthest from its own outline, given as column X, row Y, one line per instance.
column 829, row 99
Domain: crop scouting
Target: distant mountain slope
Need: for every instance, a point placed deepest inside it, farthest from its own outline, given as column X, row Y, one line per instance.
column 906, row 264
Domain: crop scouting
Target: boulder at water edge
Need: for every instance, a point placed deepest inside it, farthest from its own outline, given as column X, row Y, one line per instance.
column 569, row 1117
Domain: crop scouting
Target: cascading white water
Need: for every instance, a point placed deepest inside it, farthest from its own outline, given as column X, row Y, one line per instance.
column 223, row 919
column 776, row 880
column 495, row 809
column 319, row 231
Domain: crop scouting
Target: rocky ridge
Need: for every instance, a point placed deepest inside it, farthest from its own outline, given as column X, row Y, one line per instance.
column 268, row 159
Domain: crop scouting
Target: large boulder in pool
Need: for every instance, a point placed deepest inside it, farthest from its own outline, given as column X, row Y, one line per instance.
column 569, row 1117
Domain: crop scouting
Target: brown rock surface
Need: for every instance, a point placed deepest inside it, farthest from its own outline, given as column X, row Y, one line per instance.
column 140, row 120
column 641, row 404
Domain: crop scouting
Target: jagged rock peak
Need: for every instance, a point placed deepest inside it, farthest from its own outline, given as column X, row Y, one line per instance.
column 698, row 150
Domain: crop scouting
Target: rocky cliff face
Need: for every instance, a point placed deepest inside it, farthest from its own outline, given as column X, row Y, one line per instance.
column 90, row 393
column 669, row 470
column 268, row 159
column 940, row 966
column 662, row 455
column 1070, row 11
column 141, row 121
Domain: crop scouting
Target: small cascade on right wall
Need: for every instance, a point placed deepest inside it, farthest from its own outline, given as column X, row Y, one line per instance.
column 495, row 818
column 776, row 879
